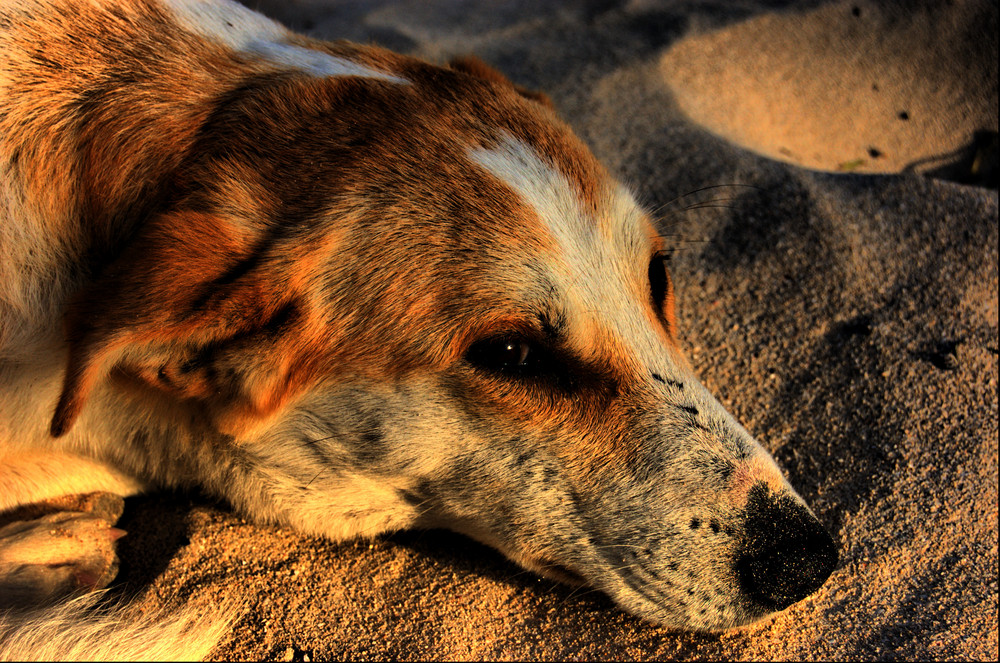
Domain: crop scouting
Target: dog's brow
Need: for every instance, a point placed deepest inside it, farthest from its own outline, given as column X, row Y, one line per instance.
column 553, row 325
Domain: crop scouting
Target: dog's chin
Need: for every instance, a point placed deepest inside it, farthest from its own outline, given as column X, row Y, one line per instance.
column 543, row 566
column 553, row 571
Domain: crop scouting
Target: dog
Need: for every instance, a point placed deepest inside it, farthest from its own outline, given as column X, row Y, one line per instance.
column 350, row 292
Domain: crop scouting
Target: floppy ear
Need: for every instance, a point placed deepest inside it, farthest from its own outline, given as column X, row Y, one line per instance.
column 473, row 66
column 194, row 310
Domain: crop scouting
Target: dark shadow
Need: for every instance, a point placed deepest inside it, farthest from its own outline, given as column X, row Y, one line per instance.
column 463, row 555
column 761, row 218
column 156, row 529
column 843, row 423
column 591, row 34
column 854, row 420
column 851, row 413
column 460, row 554
column 974, row 163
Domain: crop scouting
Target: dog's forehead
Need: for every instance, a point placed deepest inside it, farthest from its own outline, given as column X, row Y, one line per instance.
column 589, row 222
column 422, row 188
column 595, row 258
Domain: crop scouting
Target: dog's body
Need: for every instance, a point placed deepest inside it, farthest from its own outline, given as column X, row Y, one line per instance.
column 352, row 292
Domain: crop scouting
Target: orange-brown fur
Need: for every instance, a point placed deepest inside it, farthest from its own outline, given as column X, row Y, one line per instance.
column 283, row 270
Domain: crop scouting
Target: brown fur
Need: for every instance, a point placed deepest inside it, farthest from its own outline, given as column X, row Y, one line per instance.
column 300, row 275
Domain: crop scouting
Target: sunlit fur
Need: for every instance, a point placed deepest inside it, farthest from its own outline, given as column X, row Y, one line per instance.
column 240, row 259
column 73, row 632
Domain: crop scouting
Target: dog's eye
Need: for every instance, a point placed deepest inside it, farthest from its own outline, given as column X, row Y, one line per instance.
column 537, row 364
column 505, row 354
column 658, row 278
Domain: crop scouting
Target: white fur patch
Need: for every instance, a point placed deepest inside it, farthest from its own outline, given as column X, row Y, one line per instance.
column 540, row 186
column 601, row 272
column 317, row 63
column 245, row 31
column 226, row 22
column 600, row 263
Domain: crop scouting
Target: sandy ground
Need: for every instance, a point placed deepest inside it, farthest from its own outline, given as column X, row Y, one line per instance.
column 849, row 319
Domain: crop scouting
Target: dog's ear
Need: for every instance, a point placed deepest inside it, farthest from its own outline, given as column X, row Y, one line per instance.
column 198, row 309
column 473, row 66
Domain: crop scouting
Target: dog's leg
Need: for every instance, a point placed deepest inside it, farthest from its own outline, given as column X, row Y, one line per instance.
column 58, row 547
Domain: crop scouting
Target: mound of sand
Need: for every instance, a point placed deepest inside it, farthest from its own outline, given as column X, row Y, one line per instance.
column 849, row 320
column 849, row 86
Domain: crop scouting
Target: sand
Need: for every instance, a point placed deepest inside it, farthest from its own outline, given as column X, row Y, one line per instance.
column 837, row 291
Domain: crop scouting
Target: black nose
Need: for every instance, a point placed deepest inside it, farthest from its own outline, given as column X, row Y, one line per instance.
column 787, row 555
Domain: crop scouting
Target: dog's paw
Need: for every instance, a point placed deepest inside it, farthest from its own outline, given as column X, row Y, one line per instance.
column 59, row 553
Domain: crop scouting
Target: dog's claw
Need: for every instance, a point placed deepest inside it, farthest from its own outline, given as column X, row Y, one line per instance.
column 59, row 553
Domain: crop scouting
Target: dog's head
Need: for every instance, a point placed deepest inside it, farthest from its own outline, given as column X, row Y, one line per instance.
column 416, row 299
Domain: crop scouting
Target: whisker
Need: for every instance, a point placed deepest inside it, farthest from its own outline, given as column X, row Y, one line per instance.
column 578, row 592
column 708, row 205
column 315, row 477
column 620, row 545
column 660, row 208
column 684, row 246
column 318, row 440
column 710, row 200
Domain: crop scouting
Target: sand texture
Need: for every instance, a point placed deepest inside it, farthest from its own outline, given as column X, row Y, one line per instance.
column 837, row 290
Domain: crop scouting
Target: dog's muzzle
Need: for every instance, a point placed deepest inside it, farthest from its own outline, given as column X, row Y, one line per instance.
column 786, row 554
